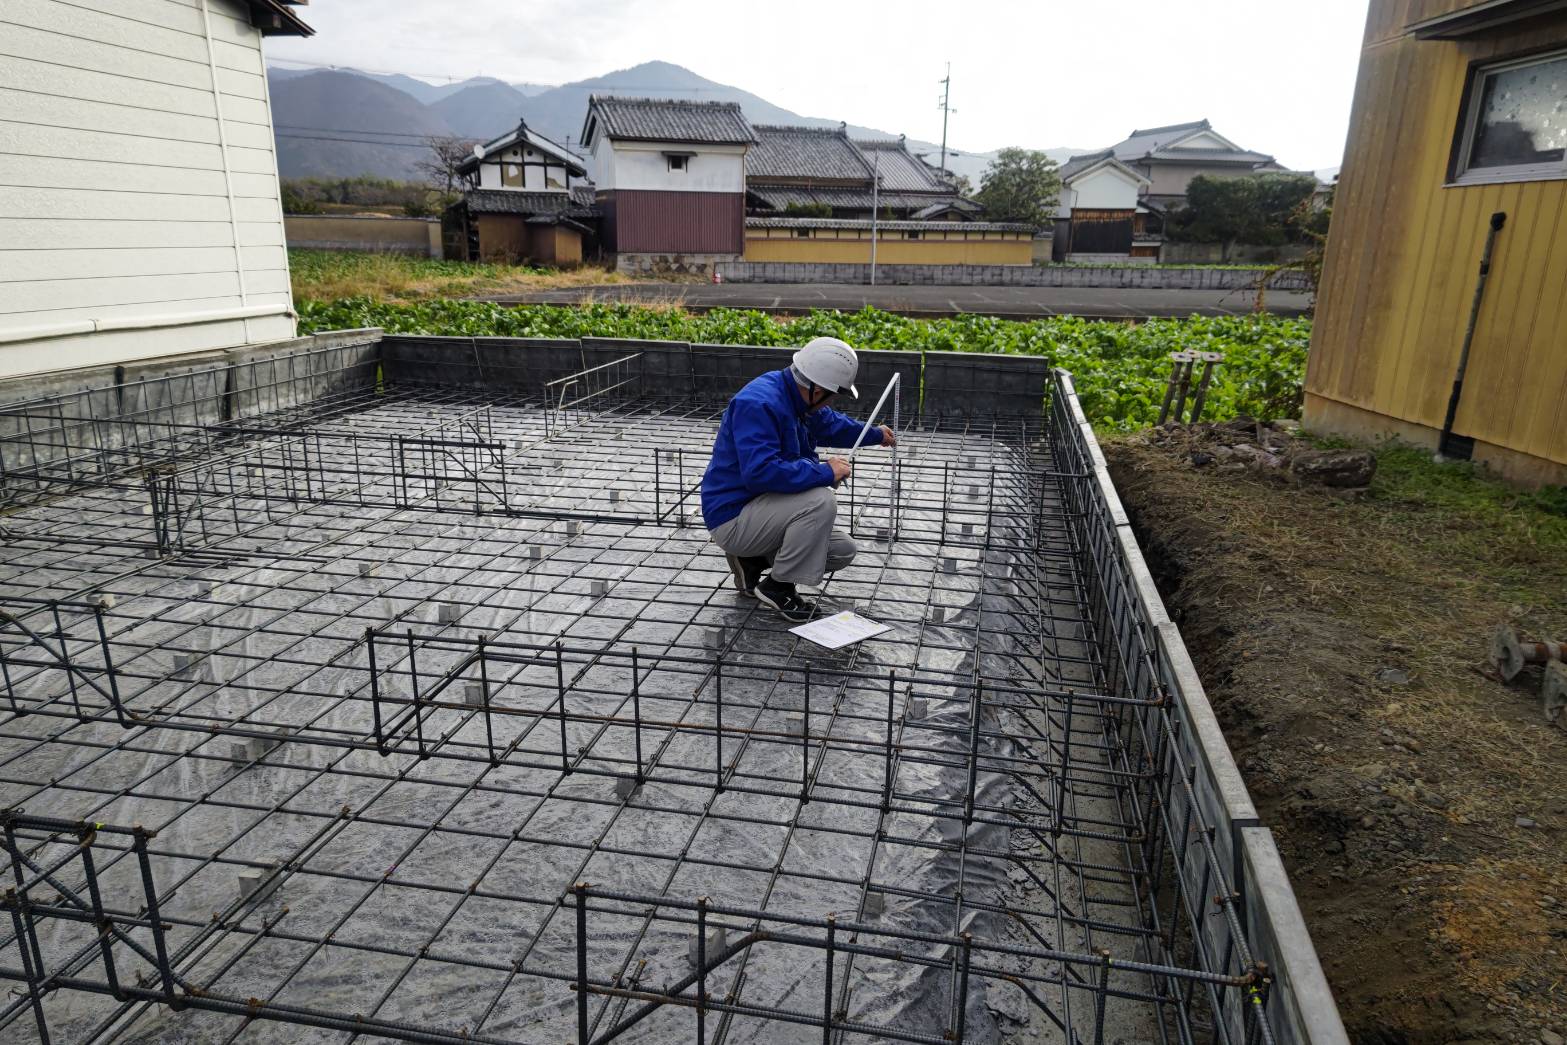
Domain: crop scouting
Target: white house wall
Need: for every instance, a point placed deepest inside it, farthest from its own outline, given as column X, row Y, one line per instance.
column 490, row 173
column 1104, row 189
column 644, row 165
column 133, row 222
column 603, row 163
column 1204, row 140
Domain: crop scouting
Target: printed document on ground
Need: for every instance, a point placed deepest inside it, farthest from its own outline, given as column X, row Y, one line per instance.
column 839, row 630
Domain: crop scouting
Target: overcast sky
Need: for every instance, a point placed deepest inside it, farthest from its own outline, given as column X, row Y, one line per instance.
column 1271, row 75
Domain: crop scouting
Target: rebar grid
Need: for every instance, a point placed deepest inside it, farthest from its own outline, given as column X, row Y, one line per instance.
column 487, row 770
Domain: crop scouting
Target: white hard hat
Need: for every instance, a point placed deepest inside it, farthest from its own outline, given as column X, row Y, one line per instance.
column 829, row 364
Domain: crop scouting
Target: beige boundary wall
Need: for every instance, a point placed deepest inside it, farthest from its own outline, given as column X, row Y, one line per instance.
column 352, row 232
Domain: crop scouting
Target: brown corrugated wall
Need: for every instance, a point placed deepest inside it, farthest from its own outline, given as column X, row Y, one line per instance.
column 645, row 221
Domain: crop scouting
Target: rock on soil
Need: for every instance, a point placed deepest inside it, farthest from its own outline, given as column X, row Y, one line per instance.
column 1272, row 447
column 1334, row 467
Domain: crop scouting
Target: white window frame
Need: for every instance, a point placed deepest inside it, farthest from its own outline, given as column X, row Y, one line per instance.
column 679, row 162
column 1463, row 174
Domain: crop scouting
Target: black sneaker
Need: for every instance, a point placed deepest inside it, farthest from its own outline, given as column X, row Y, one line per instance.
column 747, row 570
column 783, row 598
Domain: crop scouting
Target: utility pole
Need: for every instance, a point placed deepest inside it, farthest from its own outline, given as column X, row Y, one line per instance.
column 946, row 110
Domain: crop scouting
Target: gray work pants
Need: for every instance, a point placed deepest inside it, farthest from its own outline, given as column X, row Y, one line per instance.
column 793, row 531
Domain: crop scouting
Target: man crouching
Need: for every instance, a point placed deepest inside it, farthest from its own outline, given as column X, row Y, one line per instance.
column 767, row 499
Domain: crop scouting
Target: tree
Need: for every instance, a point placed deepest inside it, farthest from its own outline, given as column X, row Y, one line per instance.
column 958, row 183
column 1258, row 209
column 440, row 165
column 1020, row 185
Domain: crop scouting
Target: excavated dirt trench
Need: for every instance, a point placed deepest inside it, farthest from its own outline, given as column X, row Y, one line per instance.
column 1417, row 802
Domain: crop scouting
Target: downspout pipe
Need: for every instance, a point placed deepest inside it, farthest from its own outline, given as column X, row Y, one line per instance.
column 1448, row 445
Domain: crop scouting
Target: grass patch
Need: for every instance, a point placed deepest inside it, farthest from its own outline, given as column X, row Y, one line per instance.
column 326, row 275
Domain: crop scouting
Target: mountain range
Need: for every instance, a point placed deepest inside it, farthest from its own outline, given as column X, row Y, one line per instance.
column 335, row 123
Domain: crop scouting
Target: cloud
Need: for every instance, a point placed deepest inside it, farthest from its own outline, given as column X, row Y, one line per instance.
column 1273, row 77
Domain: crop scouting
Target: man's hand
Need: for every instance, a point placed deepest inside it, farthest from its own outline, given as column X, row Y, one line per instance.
column 887, row 438
column 840, row 469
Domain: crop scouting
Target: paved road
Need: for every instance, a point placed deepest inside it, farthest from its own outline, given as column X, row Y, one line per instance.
column 1011, row 302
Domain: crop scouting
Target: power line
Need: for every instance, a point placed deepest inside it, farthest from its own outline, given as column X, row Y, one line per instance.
column 361, row 130
column 354, row 141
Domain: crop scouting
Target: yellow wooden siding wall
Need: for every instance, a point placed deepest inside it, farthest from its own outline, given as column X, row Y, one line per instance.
column 1404, row 252
column 833, row 246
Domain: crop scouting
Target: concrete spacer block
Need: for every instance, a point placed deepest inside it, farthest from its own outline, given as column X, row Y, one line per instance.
column 938, row 615
column 717, row 940
column 625, row 787
column 717, row 636
column 473, row 694
column 949, row 564
column 448, row 612
column 256, row 884
column 240, row 750
column 968, row 529
column 919, row 708
column 249, row 880
column 614, row 497
column 573, row 527
column 367, row 569
column 534, row 552
column 598, row 588
column 875, row 905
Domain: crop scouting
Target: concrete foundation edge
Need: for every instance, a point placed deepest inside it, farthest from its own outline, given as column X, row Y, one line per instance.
column 1274, row 918
column 1334, row 417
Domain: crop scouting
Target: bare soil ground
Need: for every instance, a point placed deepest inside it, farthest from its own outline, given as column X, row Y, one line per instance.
column 1420, row 803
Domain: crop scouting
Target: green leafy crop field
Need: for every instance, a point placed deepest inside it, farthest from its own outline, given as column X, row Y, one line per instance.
column 1120, row 368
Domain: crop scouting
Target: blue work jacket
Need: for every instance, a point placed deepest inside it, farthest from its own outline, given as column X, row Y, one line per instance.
column 767, row 444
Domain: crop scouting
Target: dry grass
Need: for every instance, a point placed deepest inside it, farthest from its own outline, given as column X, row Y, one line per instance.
column 668, row 299
column 321, row 275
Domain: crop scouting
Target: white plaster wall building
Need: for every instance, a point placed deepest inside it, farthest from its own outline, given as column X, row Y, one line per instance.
column 670, row 176
column 1097, row 212
column 139, row 209
column 525, row 160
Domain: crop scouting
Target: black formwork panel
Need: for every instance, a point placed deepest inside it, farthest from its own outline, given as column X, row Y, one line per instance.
column 878, row 368
column 969, row 383
column 722, row 370
column 663, row 368
column 512, row 363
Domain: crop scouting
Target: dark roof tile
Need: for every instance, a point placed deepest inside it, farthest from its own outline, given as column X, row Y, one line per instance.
column 516, row 201
column 779, row 197
column 805, row 152
column 668, row 120
column 900, row 169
